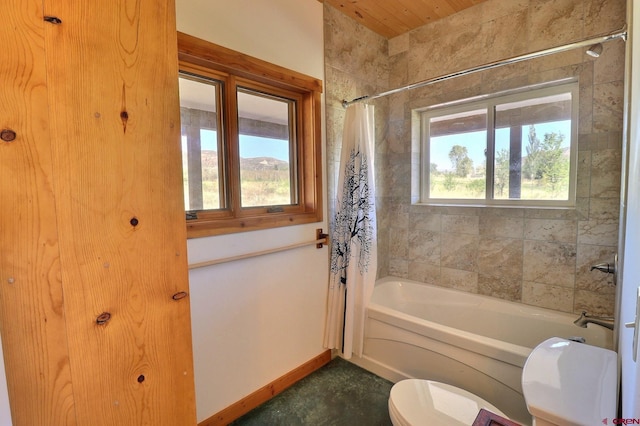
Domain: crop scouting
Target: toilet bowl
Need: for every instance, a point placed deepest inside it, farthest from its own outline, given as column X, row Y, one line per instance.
column 415, row 402
column 564, row 383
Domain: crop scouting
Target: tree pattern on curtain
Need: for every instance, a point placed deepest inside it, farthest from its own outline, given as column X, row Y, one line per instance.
column 353, row 217
column 353, row 235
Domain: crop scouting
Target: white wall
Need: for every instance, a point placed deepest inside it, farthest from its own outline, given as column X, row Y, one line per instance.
column 255, row 320
column 5, row 413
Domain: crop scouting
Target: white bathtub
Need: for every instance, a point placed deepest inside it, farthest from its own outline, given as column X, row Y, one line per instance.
column 478, row 343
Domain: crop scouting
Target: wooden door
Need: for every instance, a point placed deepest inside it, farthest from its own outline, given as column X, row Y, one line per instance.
column 94, row 311
column 31, row 306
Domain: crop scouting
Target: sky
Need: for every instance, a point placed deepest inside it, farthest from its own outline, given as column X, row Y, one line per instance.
column 476, row 143
column 250, row 146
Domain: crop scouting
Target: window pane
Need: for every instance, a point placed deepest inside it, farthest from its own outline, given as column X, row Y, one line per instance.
column 532, row 149
column 266, row 147
column 201, row 143
column 457, row 143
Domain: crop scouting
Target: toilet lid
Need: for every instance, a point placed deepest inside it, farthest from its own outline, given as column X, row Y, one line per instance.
column 566, row 382
column 425, row 402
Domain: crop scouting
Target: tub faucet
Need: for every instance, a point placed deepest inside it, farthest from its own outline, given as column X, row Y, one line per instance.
column 607, row 268
column 585, row 319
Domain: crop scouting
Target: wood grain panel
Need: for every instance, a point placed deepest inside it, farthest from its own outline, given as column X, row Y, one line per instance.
column 392, row 18
column 31, row 308
column 115, row 126
column 390, row 15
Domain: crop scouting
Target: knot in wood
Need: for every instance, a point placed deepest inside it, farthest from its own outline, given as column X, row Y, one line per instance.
column 7, row 135
column 179, row 295
column 103, row 318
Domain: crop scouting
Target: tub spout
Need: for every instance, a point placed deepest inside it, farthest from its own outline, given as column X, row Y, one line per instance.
column 607, row 268
column 585, row 319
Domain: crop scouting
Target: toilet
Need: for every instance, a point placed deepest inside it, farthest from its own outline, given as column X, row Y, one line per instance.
column 415, row 402
column 564, row 383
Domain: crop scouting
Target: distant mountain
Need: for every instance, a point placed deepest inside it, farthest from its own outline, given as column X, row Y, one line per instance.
column 210, row 159
column 263, row 163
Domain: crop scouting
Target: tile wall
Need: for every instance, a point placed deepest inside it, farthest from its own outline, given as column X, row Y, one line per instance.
column 539, row 257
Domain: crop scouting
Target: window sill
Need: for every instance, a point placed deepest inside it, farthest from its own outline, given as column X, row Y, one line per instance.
column 497, row 205
column 207, row 228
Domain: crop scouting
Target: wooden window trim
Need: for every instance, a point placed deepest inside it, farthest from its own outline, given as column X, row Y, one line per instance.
column 204, row 58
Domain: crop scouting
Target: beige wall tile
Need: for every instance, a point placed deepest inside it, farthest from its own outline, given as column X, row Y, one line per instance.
column 397, row 110
column 549, row 263
column 608, row 67
column 397, row 140
column 460, row 224
column 459, row 251
column 399, row 268
column 399, row 215
column 602, row 16
column 597, row 281
column 498, row 41
column 398, row 243
column 425, row 272
column 496, row 226
column 604, row 208
column 399, row 44
column 547, row 296
column 608, row 104
column 501, row 287
column 598, row 232
column 555, row 20
column 500, row 258
column 594, row 303
column 564, row 231
column 424, row 246
column 425, row 221
column 583, row 186
column 582, row 208
column 459, row 280
column 558, row 214
column 605, row 173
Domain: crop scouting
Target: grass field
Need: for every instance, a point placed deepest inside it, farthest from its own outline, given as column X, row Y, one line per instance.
column 263, row 187
column 455, row 187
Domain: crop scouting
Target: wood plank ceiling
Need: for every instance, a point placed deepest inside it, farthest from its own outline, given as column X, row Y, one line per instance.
column 391, row 18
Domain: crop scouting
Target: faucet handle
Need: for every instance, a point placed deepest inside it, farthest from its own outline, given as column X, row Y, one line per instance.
column 604, row 267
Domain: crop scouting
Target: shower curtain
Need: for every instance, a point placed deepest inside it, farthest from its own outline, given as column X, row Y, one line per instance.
column 353, row 238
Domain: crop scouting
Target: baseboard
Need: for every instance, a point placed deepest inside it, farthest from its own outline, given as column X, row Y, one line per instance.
column 265, row 393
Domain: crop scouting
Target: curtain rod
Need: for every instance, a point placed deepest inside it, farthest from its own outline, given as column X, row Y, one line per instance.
column 622, row 33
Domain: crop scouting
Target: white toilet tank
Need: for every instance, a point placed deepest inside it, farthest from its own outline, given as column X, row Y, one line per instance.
column 570, row 383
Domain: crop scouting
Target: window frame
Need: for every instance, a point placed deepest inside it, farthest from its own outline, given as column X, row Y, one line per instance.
column 201, row 58
column 489, row 103
column 220, row 126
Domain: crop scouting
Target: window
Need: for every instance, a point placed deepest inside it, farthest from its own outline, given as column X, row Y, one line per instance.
column 251, row 150
column 512, row 149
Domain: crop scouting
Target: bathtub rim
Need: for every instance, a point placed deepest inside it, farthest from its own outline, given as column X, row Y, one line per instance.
column 487, row 346
column 515, row 354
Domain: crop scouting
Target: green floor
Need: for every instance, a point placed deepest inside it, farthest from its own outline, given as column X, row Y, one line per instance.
column 340, row 393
